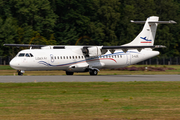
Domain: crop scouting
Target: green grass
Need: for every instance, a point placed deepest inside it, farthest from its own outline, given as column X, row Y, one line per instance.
column 5, row 67
column 90, row 101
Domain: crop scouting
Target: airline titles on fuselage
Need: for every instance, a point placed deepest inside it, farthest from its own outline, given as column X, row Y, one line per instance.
column 40, row 58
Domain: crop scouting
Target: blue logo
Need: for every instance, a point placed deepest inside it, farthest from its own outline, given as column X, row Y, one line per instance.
column 146, row 40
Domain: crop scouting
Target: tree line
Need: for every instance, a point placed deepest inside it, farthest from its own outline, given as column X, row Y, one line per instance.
column 85, row 22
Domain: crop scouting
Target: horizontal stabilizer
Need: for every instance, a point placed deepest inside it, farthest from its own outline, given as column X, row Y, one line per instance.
column 159, row 22
column 160, row 46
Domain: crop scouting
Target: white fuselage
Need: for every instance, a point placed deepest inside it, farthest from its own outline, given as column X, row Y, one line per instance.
column 73, row 60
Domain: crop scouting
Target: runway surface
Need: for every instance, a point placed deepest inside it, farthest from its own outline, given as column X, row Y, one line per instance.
column 108, row 78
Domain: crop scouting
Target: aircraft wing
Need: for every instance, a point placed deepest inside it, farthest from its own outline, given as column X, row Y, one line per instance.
column 24, row 45
column 35, row 46
column 99, row 50
column 103, row 47
column 126, row 48
column 132, row 47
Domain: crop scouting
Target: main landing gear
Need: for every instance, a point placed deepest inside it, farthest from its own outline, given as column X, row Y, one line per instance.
column 93, row 72
column 69, row 73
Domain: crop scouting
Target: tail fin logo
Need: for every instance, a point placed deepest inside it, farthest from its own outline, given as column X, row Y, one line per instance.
column 146, row 40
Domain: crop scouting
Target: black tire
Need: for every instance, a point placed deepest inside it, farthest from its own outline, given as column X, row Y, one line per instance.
column 93, row 72
column 20, row 73
column 69, row 73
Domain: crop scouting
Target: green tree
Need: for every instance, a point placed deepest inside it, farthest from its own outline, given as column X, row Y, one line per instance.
column 104, row 22
column 73, row 21
column 8, row 33
column 40, row 40
column 95, row 22
column 168, row 35
column 133, row 10
column 35, row 13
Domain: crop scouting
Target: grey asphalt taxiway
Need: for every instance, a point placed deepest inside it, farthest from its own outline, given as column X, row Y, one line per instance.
column 105, row 78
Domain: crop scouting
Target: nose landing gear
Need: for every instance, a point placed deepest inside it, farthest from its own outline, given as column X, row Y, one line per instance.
column 20, row 72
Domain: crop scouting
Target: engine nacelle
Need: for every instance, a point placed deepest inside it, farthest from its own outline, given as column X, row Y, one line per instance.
column 92, row 51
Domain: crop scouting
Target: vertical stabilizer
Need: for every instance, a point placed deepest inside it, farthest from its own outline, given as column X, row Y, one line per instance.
column 147, row 36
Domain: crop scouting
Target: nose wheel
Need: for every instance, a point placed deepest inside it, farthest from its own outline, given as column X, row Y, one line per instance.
column 20, row 73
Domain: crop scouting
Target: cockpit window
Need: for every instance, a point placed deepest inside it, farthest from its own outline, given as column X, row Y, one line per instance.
column 27, row 55
column 31, row 55
column 21, row 55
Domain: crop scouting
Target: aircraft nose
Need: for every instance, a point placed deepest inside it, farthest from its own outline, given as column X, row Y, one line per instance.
column 14, row 63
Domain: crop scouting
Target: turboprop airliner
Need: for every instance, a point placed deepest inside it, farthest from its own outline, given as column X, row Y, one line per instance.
column 89, row 58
